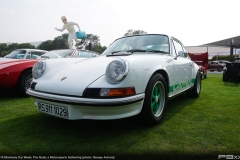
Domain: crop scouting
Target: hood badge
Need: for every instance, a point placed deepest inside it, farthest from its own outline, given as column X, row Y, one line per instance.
column 63, row 78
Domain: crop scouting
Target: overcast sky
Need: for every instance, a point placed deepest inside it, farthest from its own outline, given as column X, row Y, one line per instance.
column 194, row 22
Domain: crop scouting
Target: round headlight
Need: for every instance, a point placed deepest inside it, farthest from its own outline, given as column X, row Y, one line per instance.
column 116, row 71
column 38, row 69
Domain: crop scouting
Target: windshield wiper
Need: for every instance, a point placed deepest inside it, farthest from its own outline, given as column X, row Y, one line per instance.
column 45, row 57
column 156, row 51
column 117, row 52
column 136, row 50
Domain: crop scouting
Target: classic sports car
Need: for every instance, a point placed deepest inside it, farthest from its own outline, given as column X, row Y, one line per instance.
column 25, row 54
column 69, row 53
column 18, row 72
column 136, row 75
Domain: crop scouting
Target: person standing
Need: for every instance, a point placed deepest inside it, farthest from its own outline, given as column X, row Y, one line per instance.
column 72, row 33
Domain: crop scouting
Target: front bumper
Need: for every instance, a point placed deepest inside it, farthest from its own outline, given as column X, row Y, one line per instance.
column 86, row 108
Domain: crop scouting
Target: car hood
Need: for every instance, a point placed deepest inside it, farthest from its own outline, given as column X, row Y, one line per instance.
column 72, row 77
column 5, row 62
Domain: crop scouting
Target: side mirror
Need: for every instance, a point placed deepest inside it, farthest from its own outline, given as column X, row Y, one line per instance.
column 183, row 54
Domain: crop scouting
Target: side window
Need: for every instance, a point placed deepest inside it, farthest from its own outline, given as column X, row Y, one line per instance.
column 86, row 54
column 173, row 49
column 36, row 54
column 83, row 54
column 178, row 47
column 28, row 55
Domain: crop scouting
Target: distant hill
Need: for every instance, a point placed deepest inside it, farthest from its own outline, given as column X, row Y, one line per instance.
column 32, row 43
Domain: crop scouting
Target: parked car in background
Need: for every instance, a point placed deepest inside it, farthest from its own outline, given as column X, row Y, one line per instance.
column 25, row 54
column 18, row 72
column 215, row 66
column 201, row 59
column 69, row 53
column 136, row 75
column 223, row 62
column 235, row 60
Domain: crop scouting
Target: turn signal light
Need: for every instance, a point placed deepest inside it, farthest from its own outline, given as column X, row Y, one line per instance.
column 111, row 92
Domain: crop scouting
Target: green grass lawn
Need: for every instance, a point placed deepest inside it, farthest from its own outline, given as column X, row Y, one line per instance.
column 204, row 127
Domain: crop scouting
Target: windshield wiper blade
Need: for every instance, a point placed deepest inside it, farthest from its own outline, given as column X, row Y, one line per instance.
column 156, row 51
column 117, row 52
column 136, row 50
column 45, row 57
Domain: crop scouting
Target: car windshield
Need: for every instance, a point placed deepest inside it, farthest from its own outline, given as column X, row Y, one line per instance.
column 139, row 43
column 17, row 54
column 58, row 54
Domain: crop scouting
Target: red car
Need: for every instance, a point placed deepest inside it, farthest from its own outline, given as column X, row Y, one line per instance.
column 201, row 59
column 16, row 73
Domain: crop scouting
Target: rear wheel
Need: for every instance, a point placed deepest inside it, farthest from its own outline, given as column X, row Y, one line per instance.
column 24, row 82
column 155, row 100
column 196, row 90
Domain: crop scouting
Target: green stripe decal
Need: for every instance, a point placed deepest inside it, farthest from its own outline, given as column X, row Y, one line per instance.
column 178, row 85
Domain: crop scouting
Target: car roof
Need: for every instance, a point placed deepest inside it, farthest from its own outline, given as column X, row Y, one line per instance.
column 31, row 49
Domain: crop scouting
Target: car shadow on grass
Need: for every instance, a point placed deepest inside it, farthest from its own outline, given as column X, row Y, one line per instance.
column 176, row 105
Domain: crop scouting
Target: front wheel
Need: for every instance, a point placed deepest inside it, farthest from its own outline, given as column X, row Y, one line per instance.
column 24, row 82
column 155, row 100
column 196, row 90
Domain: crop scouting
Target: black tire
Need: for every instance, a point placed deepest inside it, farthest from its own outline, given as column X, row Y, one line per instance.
column 155, row 100
column 220, row 69
column 196, row 90
column 24, row 82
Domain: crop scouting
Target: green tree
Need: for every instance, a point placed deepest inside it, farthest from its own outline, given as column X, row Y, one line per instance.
column 95, row 44
column 12, row 46
column 3, row 49
column 94, row 39
column 46, row 45
column 133, row 32
column 60, row 43
column 25, row 45
column 97, row 48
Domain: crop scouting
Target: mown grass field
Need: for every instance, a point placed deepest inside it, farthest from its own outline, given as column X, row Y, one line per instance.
column 200, row 128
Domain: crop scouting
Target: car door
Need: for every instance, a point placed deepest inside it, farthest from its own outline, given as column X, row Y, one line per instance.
column 183, row 68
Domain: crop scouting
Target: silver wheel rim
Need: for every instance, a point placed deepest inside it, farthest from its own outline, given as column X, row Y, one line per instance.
column 198, row 84
column 27, row 81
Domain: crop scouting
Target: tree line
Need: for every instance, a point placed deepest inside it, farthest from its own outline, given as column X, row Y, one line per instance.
column 223, row 57
column 91, row 42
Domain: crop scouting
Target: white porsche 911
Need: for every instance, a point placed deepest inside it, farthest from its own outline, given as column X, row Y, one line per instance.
column 135, row 75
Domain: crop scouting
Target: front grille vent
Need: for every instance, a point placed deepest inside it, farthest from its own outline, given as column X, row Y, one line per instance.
column 33, row 85
column 91, row 92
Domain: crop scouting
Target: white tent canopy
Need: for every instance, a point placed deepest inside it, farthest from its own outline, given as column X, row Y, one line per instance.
column 209, row 49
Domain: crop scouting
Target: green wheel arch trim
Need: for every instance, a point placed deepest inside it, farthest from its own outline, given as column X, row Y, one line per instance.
column 182, row 84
